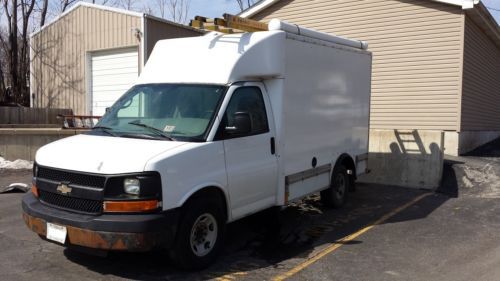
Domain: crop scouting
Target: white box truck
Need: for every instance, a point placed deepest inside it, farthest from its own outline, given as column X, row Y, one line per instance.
column 216, row 128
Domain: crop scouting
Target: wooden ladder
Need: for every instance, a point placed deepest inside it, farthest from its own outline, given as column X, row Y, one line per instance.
column 228, row 24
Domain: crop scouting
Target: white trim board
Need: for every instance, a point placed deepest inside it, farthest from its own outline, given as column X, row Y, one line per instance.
column 263, row 4
column 89, row 5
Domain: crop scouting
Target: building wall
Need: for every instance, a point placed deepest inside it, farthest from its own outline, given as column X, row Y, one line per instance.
column 417, row 54
column 481, row 81
column 157, row 29
column 59, row 54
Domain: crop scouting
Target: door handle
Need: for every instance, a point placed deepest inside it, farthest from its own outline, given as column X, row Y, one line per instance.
column 273, row 146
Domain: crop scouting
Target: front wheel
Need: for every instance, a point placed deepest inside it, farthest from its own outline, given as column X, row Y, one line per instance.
column 336, row 195
column 200, row 235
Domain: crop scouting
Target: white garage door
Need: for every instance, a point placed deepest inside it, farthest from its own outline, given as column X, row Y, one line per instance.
column 112, row 74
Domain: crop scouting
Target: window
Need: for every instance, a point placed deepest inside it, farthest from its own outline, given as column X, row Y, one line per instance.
column 134, row 108
column 181, row 111
column 248, row 100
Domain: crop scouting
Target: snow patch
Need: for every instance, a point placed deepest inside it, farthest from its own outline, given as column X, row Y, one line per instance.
column 484, row 178
column 16, row 164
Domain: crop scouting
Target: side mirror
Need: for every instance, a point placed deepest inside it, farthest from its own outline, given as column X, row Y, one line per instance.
column 108, row 109
column 242, row 124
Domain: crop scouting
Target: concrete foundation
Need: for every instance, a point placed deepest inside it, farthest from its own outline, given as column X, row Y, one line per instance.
column 469, row 140
column 23, row 143
column 408, row 158
column 459, row 143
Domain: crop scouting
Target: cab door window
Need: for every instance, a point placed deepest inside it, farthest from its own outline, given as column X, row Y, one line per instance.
column 245, row 114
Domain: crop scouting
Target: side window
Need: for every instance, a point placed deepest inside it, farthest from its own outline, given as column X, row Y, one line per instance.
column 134, row 108
column 248, row 101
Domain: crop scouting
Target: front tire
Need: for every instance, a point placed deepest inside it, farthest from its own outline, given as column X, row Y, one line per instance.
column 336, row 195
column 200, row 234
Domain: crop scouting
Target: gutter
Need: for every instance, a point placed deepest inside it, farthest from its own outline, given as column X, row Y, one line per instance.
column 263, row 4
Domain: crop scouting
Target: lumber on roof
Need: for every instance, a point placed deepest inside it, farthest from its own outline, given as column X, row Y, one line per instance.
column 229, row 24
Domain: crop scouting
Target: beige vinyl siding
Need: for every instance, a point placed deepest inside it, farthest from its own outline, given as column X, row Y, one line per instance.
column 59, row 54
column 481, row 81
column 158, row 30
column 417, row 54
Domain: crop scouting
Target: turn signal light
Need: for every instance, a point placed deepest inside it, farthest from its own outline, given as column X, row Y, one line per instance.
column 34, row 190
column 131, row 206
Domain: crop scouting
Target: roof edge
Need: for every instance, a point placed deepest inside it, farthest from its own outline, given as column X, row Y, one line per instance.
column 263, row 4
column 465, row 4
column 89, row 5
column 483, row 18
column 148, row 16
column 257, row 7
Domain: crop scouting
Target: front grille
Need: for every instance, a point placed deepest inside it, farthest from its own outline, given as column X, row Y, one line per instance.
column 71, row 177
column 70, row 203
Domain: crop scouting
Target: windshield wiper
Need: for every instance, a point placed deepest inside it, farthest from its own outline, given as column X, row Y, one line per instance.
column 152, row 129
column 105, row 129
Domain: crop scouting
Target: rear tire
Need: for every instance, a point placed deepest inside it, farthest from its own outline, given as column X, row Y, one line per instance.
column 336, row 195
column 200, row 235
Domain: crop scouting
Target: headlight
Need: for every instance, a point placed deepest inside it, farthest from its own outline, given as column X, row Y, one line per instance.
column 132, row 186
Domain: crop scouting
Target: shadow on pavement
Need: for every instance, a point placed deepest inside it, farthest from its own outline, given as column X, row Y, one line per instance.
column 268, row 239
column 449, row 183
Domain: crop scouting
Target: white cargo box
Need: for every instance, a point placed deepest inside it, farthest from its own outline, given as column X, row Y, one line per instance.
column 319, row 87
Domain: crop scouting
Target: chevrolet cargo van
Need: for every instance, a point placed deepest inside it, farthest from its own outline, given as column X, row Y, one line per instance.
column 216, row 128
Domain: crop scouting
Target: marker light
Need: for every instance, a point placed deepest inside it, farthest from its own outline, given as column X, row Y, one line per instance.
column 132, row 186
column 34, row 190
column 131, row 206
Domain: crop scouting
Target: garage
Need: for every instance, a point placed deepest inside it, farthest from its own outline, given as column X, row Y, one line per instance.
column 91, row 54
column 112, row 73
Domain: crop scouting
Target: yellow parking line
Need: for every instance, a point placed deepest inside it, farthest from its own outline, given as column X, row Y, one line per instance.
column 339, row 243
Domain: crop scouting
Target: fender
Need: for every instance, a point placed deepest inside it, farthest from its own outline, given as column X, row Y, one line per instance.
column 199, row 187
column 345, row 157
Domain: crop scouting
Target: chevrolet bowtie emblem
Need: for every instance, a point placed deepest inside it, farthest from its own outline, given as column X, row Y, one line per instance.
column 63, row 189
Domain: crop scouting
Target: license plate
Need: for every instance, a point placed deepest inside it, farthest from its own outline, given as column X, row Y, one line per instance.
column 56, row 232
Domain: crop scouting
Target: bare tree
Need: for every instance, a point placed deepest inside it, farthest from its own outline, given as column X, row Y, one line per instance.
column 16, row 48
column 161, row 5
column 102, row 2
column 244, row 4
column 43, row 13
column 126, row 4
column 178, row 10
column 66, row 3
column 2, row 63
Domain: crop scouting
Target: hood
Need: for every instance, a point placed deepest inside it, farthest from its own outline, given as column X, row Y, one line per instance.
column 102, row 154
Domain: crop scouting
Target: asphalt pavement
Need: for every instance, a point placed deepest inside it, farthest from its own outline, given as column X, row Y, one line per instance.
column 383, row 233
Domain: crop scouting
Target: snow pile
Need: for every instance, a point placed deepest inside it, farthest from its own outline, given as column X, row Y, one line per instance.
column 16, row 164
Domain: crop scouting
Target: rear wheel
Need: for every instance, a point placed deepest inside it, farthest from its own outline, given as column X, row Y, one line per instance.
column 200, row 235
column 336, row 195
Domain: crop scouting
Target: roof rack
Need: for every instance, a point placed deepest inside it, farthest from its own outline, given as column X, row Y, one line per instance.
column 235, row 24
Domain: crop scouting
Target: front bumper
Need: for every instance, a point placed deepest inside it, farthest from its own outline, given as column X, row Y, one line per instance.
column 123, row 232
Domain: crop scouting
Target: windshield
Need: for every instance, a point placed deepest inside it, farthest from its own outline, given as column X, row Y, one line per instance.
column 163, row 111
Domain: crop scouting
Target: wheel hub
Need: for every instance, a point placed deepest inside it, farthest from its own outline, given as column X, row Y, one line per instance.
column 203, row 235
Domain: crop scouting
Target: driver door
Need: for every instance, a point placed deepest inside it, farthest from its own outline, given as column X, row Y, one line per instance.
column 251, row 162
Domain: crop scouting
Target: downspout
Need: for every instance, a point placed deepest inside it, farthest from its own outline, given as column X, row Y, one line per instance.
column 31, row 93
column 144, row 42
